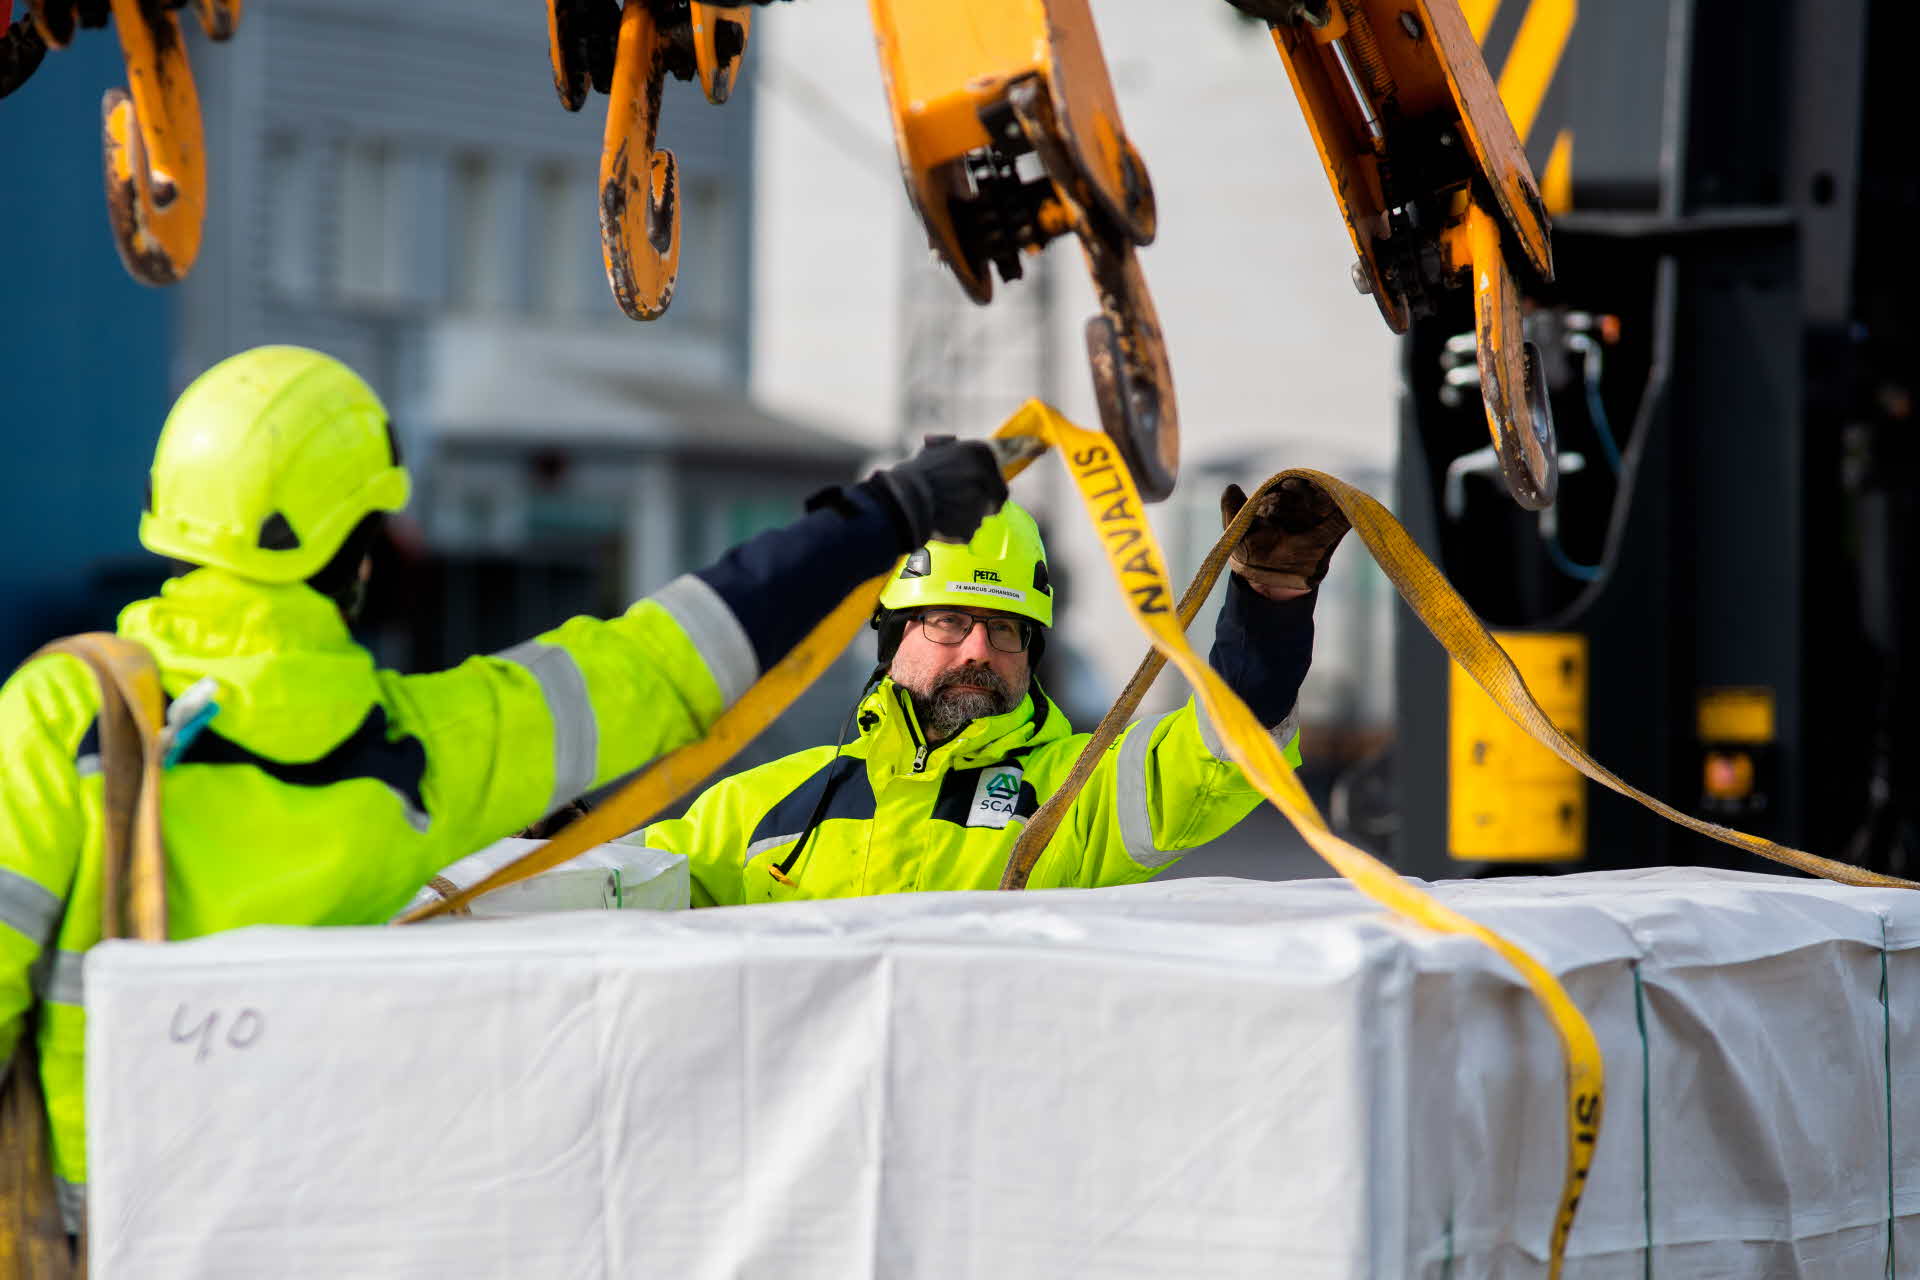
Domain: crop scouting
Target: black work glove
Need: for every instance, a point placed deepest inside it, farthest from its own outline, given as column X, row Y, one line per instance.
column 1291, row 540
column 945, row 490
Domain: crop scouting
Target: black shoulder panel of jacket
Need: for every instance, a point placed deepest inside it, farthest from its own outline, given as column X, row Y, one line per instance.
column 364, row 753
column 852, row 797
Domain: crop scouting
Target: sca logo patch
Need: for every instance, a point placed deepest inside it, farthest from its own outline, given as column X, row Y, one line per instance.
column 994, row 798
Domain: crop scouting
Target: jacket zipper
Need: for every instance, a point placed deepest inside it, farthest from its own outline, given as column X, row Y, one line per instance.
column 913, row 728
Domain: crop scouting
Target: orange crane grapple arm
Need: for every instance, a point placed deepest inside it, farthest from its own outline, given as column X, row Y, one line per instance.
column 1434, row 186
column 974, row 87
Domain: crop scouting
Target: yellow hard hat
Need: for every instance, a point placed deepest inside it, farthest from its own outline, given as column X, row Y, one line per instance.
column 1003, row 567
column 266, row 464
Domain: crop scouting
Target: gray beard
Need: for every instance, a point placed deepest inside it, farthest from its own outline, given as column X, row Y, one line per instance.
column 945, row 710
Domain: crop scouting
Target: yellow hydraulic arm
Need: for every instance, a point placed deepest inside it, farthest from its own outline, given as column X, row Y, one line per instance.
column 156, row 169
column 1434, row 186
column 974, row 87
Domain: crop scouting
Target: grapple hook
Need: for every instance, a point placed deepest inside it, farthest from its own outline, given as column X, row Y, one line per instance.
column 1132, row 379
column 1512, row 384
column 154, row 147
column 639, row 186
column 218, row 18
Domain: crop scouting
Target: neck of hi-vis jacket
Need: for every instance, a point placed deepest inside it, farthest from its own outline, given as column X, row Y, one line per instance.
column 891, row 814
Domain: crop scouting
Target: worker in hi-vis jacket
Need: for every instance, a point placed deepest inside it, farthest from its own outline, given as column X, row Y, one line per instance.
column 324, row 790
column 958, row 746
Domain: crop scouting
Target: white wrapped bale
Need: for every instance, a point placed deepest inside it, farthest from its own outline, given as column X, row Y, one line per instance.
column 1217, row 1078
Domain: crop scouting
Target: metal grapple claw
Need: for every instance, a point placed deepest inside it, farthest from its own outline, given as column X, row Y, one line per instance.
column 719, row 42
column 1512, row 384
column 567, row 48
column 22, row 48
column 1132, row 381
column 628, row 51
column 639, row 186
column 1433, row 183
column 55, row 20
column 154, row 148
column 218, row 18
column 975, row 87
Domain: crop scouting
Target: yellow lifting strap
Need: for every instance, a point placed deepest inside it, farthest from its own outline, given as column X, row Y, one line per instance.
column 1113, row 505
column 678, row 772
column 133, row 879
column 133, row 901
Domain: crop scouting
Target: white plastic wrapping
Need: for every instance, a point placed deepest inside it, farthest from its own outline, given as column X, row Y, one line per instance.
column 1195, row 1078
column 611, row 877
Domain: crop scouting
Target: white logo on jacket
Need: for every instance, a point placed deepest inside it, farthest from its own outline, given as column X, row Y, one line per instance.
column 995, row 796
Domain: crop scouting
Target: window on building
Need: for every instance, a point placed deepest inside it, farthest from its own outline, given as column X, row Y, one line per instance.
column 568, row 278
column 375, row 223
column 482, row 252
column 290, row 232
column 709, row 255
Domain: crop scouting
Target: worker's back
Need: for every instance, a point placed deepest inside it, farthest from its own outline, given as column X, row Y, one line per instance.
column 322, row 791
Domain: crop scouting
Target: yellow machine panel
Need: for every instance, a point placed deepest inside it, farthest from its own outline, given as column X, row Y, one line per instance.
column 1509, row 798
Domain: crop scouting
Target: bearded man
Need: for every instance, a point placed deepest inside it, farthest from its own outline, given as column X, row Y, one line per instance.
column 958, row 745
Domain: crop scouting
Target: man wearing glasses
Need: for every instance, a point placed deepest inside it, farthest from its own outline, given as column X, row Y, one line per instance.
column 958, row 745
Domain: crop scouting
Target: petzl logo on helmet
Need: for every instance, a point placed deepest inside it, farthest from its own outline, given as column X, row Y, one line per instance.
column 995, row 797
column 988, row 589
column 985, row 575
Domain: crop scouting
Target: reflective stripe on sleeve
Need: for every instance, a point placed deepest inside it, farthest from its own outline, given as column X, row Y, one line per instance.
column 58, row 976
column 88, row 764
column 717, row 635
column 576, row 733
column 1130, row 796
column 760, row 846
column 1283, row 733
column 72, row 1199
column 29, row 906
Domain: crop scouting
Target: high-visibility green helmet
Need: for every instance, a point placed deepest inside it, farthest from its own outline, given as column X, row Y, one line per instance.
column 1003, row 567
column 266, row 464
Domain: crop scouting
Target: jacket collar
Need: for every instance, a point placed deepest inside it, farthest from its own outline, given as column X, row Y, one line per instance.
column 891, row 734
column 292, row 683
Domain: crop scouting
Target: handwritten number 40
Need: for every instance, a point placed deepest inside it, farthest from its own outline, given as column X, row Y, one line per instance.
column 243, row 1031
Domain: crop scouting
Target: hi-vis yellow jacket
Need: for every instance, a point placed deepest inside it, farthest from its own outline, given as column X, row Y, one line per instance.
column 326, row 791
column 900, row 816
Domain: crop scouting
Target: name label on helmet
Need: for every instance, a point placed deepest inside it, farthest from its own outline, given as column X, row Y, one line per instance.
column 994, row 797
column 988, row 589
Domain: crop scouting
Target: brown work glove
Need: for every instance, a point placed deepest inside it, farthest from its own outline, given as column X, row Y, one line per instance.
column 1291, row 540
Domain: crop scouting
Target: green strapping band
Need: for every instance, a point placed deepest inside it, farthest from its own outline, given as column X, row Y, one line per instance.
column 1646, row 1120
column 1886, row 1049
